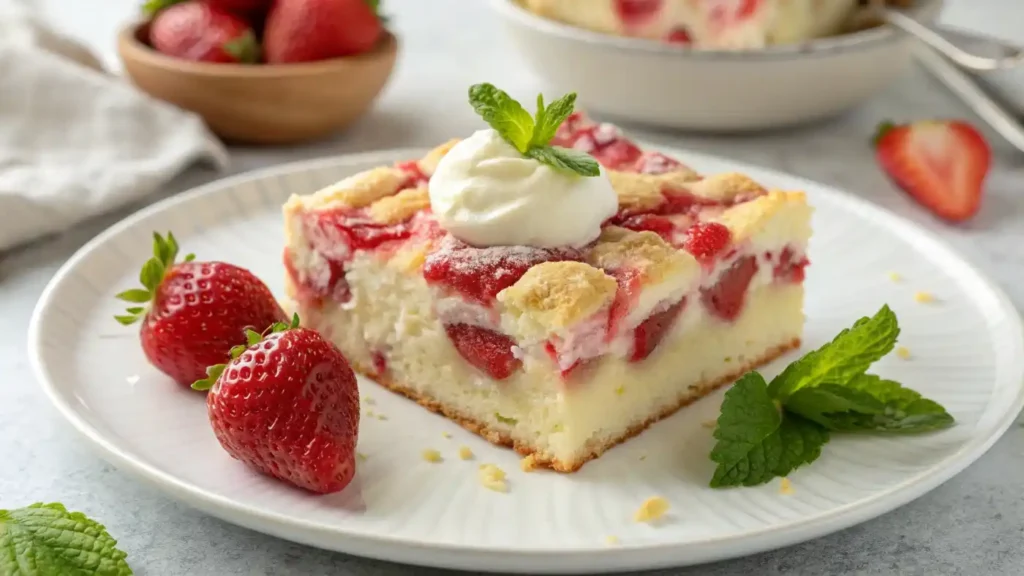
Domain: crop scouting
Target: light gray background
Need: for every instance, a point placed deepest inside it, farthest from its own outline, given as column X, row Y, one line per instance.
column 973, row 525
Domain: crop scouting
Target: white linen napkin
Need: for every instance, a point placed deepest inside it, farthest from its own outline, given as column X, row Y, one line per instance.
column 76, row 142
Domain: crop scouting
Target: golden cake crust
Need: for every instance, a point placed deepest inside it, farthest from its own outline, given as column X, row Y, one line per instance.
column 643, row 252
column 555, row 295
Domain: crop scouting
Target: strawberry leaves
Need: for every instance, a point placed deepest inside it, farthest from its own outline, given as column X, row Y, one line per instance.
column 245, row 48
column 252, row 338
column 165, row 254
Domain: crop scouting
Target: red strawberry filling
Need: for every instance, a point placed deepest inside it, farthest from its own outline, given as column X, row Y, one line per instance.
column 680, row 36
column 337, row 235
column 478, row 274
column 726, row 298
column 485, row 349
column 651, row 331
column 790, row 268
column 634, row 13
column 706, row 240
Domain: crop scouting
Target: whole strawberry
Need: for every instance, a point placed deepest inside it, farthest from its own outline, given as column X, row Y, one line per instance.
column 151, row 7
column 287, row 404
column 194, row 312
column 201, row 32
column 308, row 30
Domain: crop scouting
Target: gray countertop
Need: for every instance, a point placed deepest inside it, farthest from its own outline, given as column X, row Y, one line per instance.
column 972, row 525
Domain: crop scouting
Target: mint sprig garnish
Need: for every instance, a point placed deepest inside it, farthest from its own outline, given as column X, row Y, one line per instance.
column 757, row 441
column 252, row 338
column 165, row 255
column 767, row 430
column 48, row 540
column 532, row 135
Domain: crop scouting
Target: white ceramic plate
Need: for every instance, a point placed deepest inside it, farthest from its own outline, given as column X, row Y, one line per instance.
column 966, row 354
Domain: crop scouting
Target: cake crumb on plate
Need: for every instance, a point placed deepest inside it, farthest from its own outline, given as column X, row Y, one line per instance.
column 903, row 352
column 924, row 297
column 465, row 453
column 432, row 455
column 493, row 478
column 895, row 277
column 785, row 486
column 652, row 509
column 611, row 540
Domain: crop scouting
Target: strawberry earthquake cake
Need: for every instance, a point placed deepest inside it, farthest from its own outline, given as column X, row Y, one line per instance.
column 547, row 283
column 709, row 24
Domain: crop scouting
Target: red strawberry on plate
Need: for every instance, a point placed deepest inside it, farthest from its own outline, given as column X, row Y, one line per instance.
column 941, row 164
column 287, row 404
column 309, row 30
column 151, row 7
column 203, row 33
column 192, row 312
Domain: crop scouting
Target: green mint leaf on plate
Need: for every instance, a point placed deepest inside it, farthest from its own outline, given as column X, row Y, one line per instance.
column 47, row 540
column 847, row 356
column 756, row 441
column 530, row 135
column 566, row 159
column 504, row 114
column 869, row 403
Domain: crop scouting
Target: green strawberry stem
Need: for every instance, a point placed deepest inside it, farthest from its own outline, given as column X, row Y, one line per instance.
column 246, row 49
column 252, row 338
column 151, row 7
column 883, row 128
column 165, row 254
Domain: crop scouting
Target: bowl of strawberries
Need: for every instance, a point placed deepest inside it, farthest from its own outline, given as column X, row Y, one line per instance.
column 262, row 71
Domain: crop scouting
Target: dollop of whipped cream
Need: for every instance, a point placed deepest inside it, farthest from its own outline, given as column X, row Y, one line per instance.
column 485, row 193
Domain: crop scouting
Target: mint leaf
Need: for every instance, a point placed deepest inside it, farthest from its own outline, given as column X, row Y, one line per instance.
column 531, row 135
column 563, row 158
column 869, row 403
column 504, row 114
column 547, row 120
column 47, row 540
column 755, row 441
column 847, row 356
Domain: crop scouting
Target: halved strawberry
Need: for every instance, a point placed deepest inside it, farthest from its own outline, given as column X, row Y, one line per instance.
column 942, row 164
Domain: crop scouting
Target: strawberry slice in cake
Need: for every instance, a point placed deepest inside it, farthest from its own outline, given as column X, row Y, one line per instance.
column 547, row 283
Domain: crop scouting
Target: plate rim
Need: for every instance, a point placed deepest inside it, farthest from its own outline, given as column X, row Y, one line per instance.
column 530, row 560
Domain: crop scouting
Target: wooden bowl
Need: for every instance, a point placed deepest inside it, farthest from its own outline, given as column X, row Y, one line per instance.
column 262, row 103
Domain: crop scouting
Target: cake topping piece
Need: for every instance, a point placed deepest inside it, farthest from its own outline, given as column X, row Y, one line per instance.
column 401, row 206
column 556, row 295
column 646, row 253
column 507, row 186
column 361, row 189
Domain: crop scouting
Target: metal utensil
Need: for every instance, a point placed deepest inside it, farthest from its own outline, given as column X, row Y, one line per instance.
column 964, row 86
column 1005, row 55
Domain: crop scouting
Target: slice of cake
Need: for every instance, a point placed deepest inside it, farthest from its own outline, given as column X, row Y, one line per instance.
column 555, row 313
